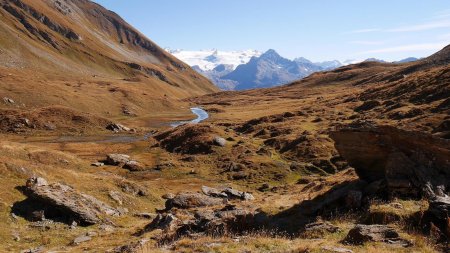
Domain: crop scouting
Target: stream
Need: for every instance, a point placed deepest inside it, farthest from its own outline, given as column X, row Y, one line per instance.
column 199, row 112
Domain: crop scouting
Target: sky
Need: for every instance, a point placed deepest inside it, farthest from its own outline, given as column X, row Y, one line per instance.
column 315, row 29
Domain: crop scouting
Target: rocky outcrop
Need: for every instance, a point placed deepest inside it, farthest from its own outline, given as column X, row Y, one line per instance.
column 214, row 222
column 404, row 161
column 68, row 202
column 191, row 200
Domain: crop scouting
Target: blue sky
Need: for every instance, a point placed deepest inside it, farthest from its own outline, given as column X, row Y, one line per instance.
column 315, row 29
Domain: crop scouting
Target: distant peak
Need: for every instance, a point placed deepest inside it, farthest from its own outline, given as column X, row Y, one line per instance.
column 270, row 54
column 302, row 60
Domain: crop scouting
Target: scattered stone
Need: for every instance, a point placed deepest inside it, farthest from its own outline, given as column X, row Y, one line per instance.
column 361, row 234
column 235, row 194
column 73, row 225
column 132, row 188
column 133, row 166
column 39, row 249
column 118, row 128
column 8, row 100
column 81, row 239
column 81, row 207
column 98, row 164
column 213, row 192
column 117, row 159
column 167, row 222
column 49, row 126
column 219, row 141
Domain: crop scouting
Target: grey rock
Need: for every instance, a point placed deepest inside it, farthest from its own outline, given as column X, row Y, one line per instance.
column 213, row 192
column 361, row 234
column 219, row 141
column 118, row 128
column 8, row 100
column 82, row 207
column 166, row 222
column 40, row 249
column 117, row 159
column 235, row 194
column 133, row 166
column 81, row 239
column 98, row 164
column 192, row 200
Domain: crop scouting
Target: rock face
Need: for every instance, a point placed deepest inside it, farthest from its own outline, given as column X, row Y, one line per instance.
column 438, row 216
column 361, row 234
column 65, row 200
column 405, row 161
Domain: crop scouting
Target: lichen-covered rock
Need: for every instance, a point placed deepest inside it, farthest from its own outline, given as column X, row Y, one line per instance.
column 81, row 207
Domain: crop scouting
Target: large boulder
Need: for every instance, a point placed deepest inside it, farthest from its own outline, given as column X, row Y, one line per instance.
column 117, row 159
column 63, row 199
column 406, row 161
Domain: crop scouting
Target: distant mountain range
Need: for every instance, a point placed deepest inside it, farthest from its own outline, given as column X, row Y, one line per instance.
column 249, row 69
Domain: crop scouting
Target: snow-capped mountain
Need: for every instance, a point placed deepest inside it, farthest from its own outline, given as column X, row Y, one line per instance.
column 247, row 69
column 207, row 60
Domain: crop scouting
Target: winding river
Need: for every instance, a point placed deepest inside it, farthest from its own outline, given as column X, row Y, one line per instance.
column 201, row 116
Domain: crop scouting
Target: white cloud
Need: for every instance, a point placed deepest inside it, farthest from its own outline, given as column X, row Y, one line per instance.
column 409, row 48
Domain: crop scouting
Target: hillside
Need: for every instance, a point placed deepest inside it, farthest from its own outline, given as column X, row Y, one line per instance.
column 97, row 153
column 76, row 53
